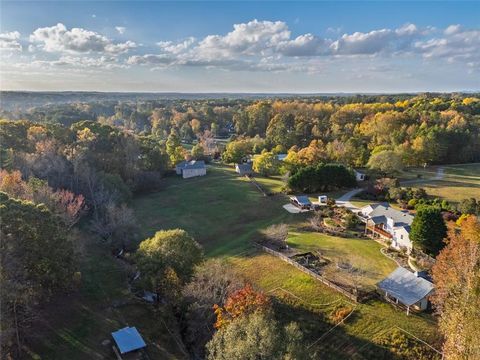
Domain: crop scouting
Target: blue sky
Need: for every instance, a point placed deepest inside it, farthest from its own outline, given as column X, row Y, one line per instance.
column 240, row 46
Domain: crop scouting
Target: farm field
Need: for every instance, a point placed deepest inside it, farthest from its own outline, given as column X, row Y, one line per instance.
column 224, row 212
column 458, row 182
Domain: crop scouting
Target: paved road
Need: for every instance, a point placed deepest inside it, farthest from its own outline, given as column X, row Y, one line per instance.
column 344, row 200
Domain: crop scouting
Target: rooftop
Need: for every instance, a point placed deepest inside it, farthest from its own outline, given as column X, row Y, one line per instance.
column 193, row 164
column 128, row 339
column 384, row 210
column 405, row 286
column 302, row 199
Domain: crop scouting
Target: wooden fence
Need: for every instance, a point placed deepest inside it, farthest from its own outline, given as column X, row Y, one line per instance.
column 318, row 277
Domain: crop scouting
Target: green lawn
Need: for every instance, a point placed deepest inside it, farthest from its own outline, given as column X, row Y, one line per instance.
column 364, row 255
column 459, row 182
column 224, row 212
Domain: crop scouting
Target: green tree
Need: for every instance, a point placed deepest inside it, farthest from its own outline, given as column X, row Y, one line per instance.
column 256, row 336
column 174, row 147
column 428, row 229
column 266, row 164
column 168, row 255
column 198, row 151
column 387, row 162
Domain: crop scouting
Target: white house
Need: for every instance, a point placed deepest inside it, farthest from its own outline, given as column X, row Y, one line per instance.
column 406, row 288
column 359, row 176
column 192, row 168
column 388, row 223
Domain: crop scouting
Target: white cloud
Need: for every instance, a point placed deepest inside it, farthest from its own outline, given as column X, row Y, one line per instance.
column 77, row 40
column 120, row 29
column 176, row 48
column 456, row 44
column 249, row 38
column 9, row 41
column 376, row 41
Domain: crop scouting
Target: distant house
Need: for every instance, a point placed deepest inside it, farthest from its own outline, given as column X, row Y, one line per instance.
column 128, row 340
column 301, row 201
column 281, row 157
column 406, row 288
column 244, row 169
column 190, row 169
column 388, row 223
column 360, row 176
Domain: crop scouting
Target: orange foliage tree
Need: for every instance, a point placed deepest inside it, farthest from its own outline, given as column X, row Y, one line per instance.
column 456, row 275
column 242, row 302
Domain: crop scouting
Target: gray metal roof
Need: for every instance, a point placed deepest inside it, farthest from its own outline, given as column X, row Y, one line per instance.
column 194, row 164
column 245, row 167
column 400, row 218
column 405, row 286
column 302, row 199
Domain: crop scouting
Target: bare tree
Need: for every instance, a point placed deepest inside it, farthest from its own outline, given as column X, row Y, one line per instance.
column 277, row 235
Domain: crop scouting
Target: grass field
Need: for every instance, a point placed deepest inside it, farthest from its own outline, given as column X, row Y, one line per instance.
column 225, row 213
column 77, row 326
column 459, row 182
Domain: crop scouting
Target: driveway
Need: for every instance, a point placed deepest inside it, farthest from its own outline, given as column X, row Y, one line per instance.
column 344, row 200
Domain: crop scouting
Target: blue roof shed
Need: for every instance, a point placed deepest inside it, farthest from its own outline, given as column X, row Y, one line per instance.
column 128, row 339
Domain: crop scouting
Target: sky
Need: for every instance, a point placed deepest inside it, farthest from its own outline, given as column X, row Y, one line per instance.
column 228, row 46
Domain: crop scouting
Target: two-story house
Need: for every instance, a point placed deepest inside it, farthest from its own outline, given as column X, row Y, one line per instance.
column 383, row 221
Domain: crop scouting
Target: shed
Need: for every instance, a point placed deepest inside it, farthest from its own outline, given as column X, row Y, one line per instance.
column 244, row 169
column 128, row 339
column 406, row 288
column 360, row 176
column 192, row 168
column 322, row 199
column 302, row 201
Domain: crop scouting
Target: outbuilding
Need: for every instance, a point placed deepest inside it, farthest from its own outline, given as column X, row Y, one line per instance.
column 360, row 176
column 301, row 201
column 192, row 168
column 244, row 169
column 406, row 288
column 128, row 340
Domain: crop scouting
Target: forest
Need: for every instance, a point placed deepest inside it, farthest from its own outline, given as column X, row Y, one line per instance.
column 69, row 167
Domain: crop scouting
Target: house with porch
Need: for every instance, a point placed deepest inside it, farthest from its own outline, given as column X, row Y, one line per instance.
column 406, row 289
column 384, row 222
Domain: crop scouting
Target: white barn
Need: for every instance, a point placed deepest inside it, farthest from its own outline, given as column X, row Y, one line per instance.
column 192, row 168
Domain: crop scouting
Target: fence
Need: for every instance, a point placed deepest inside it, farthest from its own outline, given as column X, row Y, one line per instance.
column 318, row 277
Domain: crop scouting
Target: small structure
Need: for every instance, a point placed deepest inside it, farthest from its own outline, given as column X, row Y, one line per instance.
column 281, row 157
column 301, row 201
column 322, row 199
column 244, row 169
column 192, row 168
column 128, row 340
column 406, row 288
column 360, row 176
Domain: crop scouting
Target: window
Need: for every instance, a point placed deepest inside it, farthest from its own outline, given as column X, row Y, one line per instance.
column 401, row 237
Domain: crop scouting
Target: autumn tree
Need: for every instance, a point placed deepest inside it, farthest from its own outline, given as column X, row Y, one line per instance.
column 266, row 164
column 36, row 262
column 168, row 258
column 240, row 303
column 212, row 283
column 456, row 275
column 387, row 162
column 257, row 336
